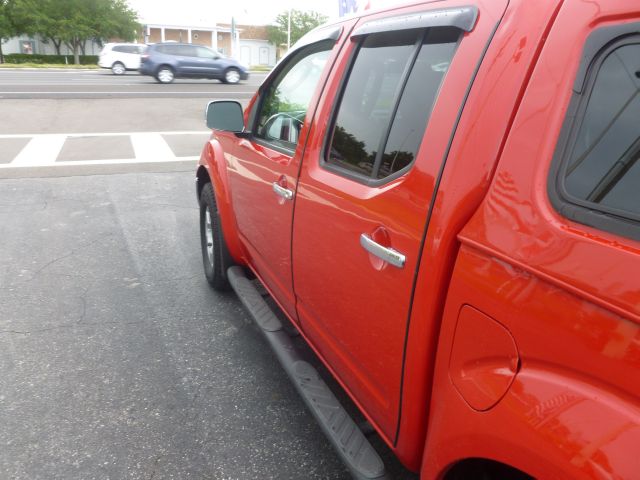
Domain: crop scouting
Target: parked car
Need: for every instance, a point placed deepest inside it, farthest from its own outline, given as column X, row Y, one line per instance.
column 442, row 198
column 170, row 60
column 120, row 57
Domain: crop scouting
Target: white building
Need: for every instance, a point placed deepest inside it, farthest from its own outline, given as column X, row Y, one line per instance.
column 250, row 45
column 27, row 44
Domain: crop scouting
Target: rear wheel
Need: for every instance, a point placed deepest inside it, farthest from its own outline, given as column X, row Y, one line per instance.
column 165, row 74
column 118, row 68
column 232, row 75
column 215, row 255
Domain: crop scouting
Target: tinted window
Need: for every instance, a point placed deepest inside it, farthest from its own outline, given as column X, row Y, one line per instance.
column 387, row 100
column 417, row 101
column 603, row 168
column 186, row 50
column 285, row 101
column 128, row 49
column 368, row 100
column 203, row 52
column 182, row 50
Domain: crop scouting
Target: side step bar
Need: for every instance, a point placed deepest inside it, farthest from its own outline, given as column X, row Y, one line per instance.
column 353, row 447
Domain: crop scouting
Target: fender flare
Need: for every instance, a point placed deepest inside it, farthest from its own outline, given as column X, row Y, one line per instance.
column 550, row 424
column 212, row 161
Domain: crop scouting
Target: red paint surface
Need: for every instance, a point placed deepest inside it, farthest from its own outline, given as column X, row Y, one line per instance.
column 484, row 359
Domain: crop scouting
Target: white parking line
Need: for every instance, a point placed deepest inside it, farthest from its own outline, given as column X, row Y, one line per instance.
column 41, row 150
column 149, row 146
column 120, row 92
column 108, row 134
column 119, row 161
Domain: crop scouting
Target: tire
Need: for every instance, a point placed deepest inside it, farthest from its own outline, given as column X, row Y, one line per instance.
column 232, row 76
column 165, row 74
column 215, row 254
column 118, row 68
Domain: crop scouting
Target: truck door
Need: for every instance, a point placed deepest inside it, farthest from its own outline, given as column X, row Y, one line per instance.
column 378, row 141
column 263, row 166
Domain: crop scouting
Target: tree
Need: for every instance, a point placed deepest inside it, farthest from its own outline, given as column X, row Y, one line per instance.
column 301, row 23
column 14, row 20
column 6, row 30
column 73, row 22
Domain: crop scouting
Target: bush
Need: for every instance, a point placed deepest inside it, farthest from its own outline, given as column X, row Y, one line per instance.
column 49, row 59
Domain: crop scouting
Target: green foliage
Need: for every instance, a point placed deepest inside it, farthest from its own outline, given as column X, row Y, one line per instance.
column 351, row 150
column 301, row 23
column 20, row 58
column 12, row 21
column 6, row 28
column 71, row 22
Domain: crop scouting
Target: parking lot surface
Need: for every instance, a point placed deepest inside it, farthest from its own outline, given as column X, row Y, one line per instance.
column 116, row 358
column 87, row 122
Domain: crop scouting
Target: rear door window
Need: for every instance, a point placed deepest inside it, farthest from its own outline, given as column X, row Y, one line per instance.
column 387, row 100
column 186, row 50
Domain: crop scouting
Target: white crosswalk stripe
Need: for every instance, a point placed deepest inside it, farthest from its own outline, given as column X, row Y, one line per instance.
column 41, row 150
column 44, row 149
column 149, row 146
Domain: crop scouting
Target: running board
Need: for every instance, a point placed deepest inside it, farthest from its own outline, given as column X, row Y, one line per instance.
column 354, row 449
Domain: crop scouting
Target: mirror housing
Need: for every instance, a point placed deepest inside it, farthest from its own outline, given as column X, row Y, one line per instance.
column 225, row 115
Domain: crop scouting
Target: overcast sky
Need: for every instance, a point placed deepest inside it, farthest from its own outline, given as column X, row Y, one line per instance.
column 206, row 12
column 256, row 12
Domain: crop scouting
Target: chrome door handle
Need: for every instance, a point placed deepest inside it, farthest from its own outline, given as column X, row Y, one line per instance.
column 389, row 255
column 282, row 192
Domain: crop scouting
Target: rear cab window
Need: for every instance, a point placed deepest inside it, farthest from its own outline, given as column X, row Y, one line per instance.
column 596, row 171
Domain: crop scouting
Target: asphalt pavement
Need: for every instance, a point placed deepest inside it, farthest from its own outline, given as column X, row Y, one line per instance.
column 84, row 122
column 117, row 361
column 62, row 84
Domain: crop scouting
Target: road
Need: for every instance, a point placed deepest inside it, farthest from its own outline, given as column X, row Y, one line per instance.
column 116, row 358
column 96, row 122
column 40, row 84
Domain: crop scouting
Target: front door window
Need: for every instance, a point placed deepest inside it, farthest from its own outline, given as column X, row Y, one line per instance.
column 284, row 106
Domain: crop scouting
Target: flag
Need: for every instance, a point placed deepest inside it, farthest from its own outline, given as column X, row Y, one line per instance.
column 347, row 7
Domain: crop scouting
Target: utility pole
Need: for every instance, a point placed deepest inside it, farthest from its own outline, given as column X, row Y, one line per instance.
column 289, row 31
column 233, row 37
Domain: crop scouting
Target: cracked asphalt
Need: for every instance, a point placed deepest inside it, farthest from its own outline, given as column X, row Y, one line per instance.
column 116, row 358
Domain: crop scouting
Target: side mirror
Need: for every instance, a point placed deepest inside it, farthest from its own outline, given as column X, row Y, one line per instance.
column 225, row 115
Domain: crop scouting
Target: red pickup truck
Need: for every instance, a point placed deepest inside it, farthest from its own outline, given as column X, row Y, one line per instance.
column 443, row 199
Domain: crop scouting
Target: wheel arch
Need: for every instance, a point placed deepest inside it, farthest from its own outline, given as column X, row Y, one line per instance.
column 551, row 424
column 210, row 170
column 483, row 468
